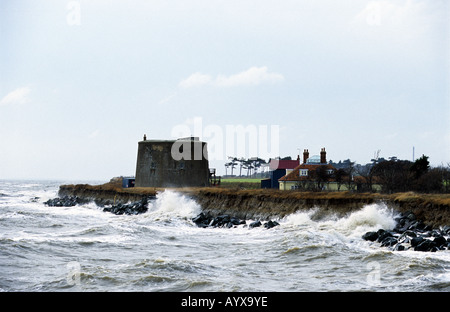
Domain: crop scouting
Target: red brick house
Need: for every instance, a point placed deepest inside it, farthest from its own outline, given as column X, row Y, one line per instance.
column 314, row 173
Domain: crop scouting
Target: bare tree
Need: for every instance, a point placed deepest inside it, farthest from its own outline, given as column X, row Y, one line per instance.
column 226, row 168
column 320, row 176
column 248, row 165
column 349, row 172
column 232, row 163
column 340, row 176
column 446, row 178
column 241, row 164
column 366, row 173
column 256, row 163
column 395, row 175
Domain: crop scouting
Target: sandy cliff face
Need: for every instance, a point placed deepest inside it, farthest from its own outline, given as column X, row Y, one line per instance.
column 103, row 194
column 265, row 204
column 268, row 205
column 433, row 211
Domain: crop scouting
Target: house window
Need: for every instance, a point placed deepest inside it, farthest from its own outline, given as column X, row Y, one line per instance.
column 303, row 172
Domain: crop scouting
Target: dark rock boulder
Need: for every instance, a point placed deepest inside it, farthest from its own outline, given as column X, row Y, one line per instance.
column 411, row 216
column 410, row 233
column 382, row 235
column 389, row 241
column 255, row 224
column 370, row 236
column 426, row 245
column 415, row 241
column 440, row 241
column 66, row 201
column 227, row 221
column 270, row 224
column 410, row 230
column 446, row 229
column 203, row 220
column 200, row 218
column 237, row 221
column 129, row 209
column 222, row 220
column 427, row 228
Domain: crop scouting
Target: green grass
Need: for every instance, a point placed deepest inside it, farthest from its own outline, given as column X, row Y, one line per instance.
column 240, row 180
column 240, row 183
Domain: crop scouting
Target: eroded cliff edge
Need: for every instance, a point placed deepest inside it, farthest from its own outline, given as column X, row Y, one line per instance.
column 433, row 209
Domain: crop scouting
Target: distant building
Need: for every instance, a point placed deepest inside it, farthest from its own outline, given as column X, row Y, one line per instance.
column 314, row 172
column 278, row 168
column 128, row 182
column 172, row 163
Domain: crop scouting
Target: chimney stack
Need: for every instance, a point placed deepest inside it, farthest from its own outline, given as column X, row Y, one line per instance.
column 305, row 155
column 323, row 156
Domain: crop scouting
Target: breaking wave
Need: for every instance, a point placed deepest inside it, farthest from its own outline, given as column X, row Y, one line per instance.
column 163, row 250
column 373, row 216
column 169, row 204
column 370, row 217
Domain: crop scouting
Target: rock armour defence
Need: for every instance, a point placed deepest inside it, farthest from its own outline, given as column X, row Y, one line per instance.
column 411, row 233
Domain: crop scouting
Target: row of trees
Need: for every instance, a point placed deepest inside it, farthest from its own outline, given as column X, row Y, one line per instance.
column 395, row 175
column 391, row 175
column 252, row 165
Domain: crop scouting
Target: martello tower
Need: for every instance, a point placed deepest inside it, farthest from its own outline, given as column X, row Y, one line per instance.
column 172, row 163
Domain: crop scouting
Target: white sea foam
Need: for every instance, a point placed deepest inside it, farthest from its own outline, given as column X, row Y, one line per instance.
column 309, row 251
column 370, row 217
column 300, row 218
column 170, row 204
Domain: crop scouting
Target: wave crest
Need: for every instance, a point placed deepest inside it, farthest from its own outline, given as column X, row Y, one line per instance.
column 169, row 204
column 373, row 216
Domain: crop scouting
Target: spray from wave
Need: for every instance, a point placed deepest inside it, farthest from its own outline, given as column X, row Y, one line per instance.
column 169, row 204
column 370, row 217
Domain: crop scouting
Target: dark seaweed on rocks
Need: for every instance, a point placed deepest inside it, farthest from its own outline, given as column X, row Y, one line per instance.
column 411, row 233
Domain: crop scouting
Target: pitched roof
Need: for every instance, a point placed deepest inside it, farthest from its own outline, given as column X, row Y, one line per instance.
column 283, row 164
column 294, row 175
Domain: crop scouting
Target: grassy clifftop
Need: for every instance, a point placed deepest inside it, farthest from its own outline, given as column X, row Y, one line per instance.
column 107, row 193
column 433, row 209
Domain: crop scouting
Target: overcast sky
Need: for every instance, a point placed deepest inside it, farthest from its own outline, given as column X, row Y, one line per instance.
column 82, row 81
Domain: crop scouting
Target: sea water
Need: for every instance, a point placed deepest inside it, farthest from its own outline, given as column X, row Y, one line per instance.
column 82, row 248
